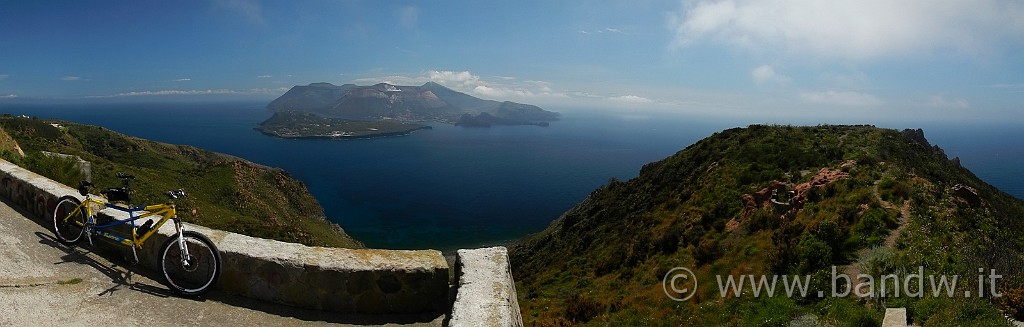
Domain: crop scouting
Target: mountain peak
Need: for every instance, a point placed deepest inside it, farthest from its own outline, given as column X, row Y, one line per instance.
column 322, row 84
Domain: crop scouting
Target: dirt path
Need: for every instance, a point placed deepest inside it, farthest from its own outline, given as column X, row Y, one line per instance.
column 890, row 241
column 852, row 270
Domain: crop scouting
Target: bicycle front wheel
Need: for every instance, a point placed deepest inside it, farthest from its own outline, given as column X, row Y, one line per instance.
column 195, row 274
column 69, row 220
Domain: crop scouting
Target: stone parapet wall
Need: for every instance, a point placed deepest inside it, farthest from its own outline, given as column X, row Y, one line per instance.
column 343, row 280
column 486, row 292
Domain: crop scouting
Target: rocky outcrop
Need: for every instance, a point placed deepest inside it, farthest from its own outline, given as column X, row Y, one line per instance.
column 762, row 198
column 824, row 177
column 967, row 195
column 783, row 197
column 917, row 135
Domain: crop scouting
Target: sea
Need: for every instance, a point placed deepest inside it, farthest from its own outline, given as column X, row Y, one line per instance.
column 456, row 187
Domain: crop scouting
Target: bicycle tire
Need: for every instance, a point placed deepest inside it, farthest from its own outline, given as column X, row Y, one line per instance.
column 68, row 230
column 203, row 271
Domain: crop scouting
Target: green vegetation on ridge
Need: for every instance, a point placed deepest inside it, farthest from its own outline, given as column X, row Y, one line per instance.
column 298, row 124
column 225, row 192
column 867, row 200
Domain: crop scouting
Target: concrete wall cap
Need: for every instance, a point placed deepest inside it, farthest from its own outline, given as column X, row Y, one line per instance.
column 487, row 293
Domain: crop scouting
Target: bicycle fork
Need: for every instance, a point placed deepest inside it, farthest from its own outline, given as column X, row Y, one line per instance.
column 89, row 229
column 186, row 258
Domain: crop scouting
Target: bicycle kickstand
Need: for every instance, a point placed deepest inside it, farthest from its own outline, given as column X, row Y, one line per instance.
column 135, row 256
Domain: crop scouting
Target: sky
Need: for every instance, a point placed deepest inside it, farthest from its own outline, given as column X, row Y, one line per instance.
column 828, row 61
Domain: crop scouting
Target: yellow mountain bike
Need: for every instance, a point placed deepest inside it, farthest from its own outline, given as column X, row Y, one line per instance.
column 189, row 262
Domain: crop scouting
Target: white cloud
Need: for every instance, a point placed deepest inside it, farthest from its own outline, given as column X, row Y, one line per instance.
column 182, row 80
column 496, row 88
column 601, row 31
column 264, row 76
column 70, row 78
column 391, row 79
column 9, row 96
column 848, row 80
column 852, row 29
column 249, row 9
column 270, row 91
column 937, row 101
column 841, row 98
column 408, row 17
column 501, row 92
column 1008, row 86
column 4, row 76
column 632, row 99
column 446, row 77
column 765, row 73
column 464, row 80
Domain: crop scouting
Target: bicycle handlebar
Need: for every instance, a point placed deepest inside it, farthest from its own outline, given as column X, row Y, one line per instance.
column 180, row 193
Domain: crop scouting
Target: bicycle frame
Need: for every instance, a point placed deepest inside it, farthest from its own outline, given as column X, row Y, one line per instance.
column 165, row 211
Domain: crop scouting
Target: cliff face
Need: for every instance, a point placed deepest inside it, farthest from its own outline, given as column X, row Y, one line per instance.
column 431, row 101
column 225, row 192
column 776, row 200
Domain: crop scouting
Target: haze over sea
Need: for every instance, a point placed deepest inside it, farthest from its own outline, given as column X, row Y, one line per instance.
column 453, row 187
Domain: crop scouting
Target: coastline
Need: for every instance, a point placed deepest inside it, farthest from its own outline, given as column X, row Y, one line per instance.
column 342, row 137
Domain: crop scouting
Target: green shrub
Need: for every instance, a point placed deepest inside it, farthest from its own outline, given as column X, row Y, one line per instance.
column 579, row 308
column 813, row 253
column 873, row 227
column 61, row 169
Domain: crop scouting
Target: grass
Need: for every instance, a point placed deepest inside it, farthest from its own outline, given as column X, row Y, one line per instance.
column 297, row 124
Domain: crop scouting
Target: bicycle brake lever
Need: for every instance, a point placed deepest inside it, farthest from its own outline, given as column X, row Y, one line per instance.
column 180, row 193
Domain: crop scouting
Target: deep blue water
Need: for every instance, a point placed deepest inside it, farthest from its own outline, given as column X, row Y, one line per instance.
column 452, row 186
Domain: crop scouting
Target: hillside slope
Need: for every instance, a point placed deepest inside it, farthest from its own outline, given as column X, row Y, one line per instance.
column 225, row 192
column 777, row 200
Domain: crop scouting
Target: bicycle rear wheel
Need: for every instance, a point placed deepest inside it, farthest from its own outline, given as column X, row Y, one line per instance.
column 196, row 275
column 69, row 220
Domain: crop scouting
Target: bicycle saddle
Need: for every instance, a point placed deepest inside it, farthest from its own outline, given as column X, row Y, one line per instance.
column 117, row 194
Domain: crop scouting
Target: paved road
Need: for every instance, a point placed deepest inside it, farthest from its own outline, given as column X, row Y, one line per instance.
column 43, row 283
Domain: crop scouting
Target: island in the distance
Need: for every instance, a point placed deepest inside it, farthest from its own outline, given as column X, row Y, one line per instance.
column 298, row 124
column 324, row 110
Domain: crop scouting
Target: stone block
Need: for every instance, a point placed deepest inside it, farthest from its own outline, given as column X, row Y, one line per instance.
column 486, row 293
